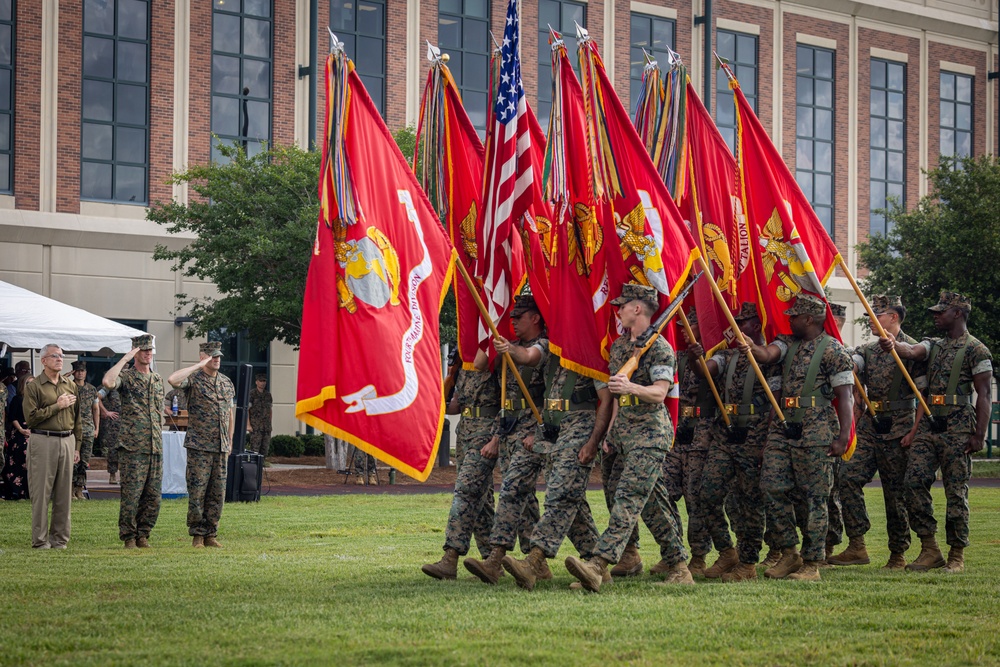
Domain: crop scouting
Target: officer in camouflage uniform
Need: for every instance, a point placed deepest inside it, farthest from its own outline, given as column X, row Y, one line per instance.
column 735, row 458
column 259, row 415
column 91, row 417
column 576, row 417
column 211, row 400
column 797, row 456
column 879, row 441
column 110, row 408
column 958, row 364
column 835, row 531
column 641, row 428
column 686, row 461
column 140, row 442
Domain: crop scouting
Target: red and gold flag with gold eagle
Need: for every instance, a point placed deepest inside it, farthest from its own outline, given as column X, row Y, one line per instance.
column 370, row 358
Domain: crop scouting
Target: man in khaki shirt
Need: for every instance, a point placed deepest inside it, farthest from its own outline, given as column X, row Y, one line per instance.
column 52, row 412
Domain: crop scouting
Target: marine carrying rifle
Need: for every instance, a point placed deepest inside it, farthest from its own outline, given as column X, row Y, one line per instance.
column 649, row 336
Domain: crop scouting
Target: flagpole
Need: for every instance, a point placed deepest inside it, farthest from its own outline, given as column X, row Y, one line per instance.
column 739, row 337
column 882, row 334
column 864, row 395
column 704, row 367
column 496, row 334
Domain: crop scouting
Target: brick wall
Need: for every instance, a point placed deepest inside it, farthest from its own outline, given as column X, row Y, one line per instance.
column 284, row 74
column 27, row 100
column 936, row 52
column 161, row 108
column 200, row 85
column 70, row 88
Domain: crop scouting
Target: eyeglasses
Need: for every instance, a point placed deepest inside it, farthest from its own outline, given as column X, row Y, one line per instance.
column 53, row 356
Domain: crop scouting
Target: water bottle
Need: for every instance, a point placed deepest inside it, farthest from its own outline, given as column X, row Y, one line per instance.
column 173, row 406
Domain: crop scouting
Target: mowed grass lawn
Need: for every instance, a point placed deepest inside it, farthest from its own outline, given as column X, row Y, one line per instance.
column 336, row 580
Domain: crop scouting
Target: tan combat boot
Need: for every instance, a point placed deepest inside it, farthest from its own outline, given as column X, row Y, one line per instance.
column 790, row 562
column 825, row 563
column 771, row 559
column 198, row 542
column 112, row 478
column 210, row 541
column 930, row 556
column 677, row 574
column 130, row 543
column 359, row 480
column 542, row 571
column 855, row 554
column 78, row 493
column 142, row 543
column 808, row 572
column 373, row 479
column 488, row 571
column 742, row 572
column 697, row 565
column 446, row 568
column 661, row 568
column 589, row 572
column 629, row 565
column 605, row 580
column 896, row 562
column 956, row 561
column 728, row 559
column 523, row 571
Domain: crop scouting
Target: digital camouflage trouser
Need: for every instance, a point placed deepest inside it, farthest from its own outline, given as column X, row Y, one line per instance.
column 731, row 481
column 683, row 477
column 806, row 472
column 887, row 458
column 81, row 467
column 206, row 487
column 141, row 489
column 567, row 513
column 929, row 452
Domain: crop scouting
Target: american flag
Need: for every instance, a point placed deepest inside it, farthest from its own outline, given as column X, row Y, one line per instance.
column 509, row 177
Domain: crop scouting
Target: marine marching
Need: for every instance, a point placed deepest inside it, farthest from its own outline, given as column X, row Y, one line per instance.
column 632, row 296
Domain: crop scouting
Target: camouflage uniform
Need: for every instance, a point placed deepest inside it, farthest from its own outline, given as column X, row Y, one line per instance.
column 802, row 466
column 931, row 450
column 642, row 432
column 110, row 427
column 208, row 441
column 472, row 505
column 88, row 397
column 881, row 452
column 730, row 462
column 3, row 427
column 260, row 421
column 684, row 468
column 140, row 452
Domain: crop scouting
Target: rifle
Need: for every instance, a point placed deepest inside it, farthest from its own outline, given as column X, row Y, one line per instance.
column 649, row 336
column 454, row 365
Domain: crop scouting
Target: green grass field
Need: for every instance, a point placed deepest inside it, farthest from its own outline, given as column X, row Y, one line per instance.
column 336, row 580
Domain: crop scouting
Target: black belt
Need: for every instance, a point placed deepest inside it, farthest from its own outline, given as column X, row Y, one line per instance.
column 52, row 434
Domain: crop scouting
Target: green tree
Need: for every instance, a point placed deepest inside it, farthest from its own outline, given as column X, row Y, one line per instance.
column 949, row 240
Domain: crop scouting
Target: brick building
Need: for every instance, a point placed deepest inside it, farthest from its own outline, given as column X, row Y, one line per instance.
column 101, row 100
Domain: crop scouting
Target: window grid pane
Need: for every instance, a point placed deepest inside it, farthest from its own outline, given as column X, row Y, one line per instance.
column 238, row 349
column 655, row 35
column 7, row 42
column 242, row 55
column 740, row 50
column 360, row 25
column 463, row 30
column 114, row 135
column 814, row 154
column 560, row 14
column 887, row 163
column 956, row 115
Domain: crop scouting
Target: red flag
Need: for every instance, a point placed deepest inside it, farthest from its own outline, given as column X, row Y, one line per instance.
column 452, row 177
column 370, row 364
column 509, row 177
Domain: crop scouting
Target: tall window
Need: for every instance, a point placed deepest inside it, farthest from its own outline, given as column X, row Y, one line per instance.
column 563, row 17
column 814, row 129
column 360, row 25
column 654, row 34
column 741, row 52
column 238, row 349
column 6, row 95
column 956, row 114
column 241, row 73
column 888, row 139
column 97, row 365
column 114, row 138
column 464, row 34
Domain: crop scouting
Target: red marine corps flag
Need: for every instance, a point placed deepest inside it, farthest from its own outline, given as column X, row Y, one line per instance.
column 370, row 359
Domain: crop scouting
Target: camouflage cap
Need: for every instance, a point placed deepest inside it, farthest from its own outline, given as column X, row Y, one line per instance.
column 79, row 365
column 212, row 348
column 260, row 377
column 143, row 342
column 838, row 309
column 524, row 303
column 952, row 300
column 747, row 312
column 634, row 292
column 881, row 303
column 806, row 304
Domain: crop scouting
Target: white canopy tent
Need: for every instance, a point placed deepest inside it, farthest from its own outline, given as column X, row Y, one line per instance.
column 30, row 321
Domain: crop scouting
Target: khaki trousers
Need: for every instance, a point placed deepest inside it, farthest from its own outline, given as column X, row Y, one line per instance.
column 50, row 477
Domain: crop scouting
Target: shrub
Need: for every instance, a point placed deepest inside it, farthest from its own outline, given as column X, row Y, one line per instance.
column 286, row 445
column 314, row 445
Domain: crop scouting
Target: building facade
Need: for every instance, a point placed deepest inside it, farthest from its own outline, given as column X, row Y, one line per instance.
column 101, row 100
